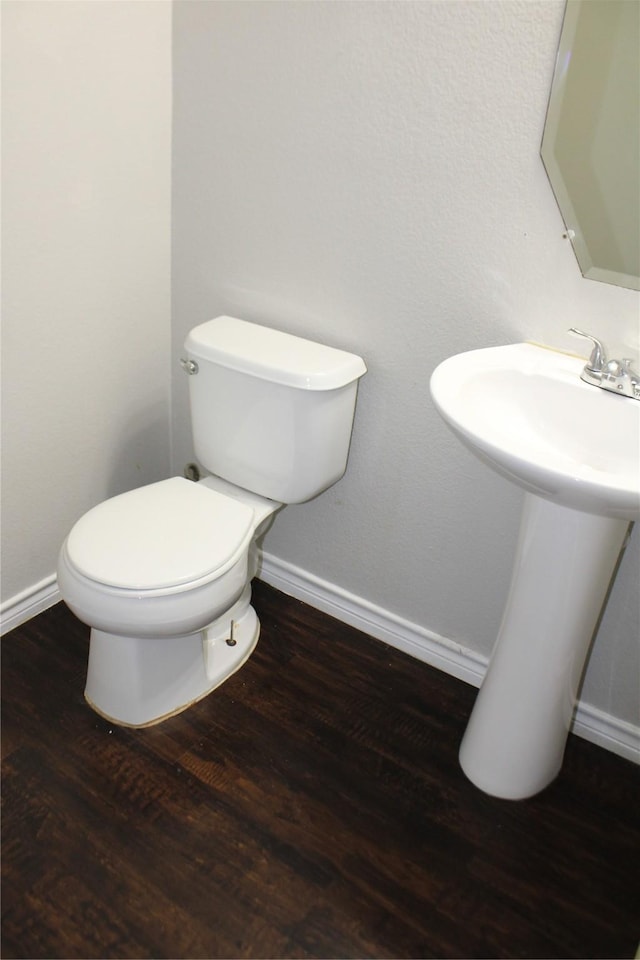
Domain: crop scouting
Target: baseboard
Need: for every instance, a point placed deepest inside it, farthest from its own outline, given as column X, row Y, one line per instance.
column 601, row 728
column 29, row 603
column 409, row 637
column 591, row 724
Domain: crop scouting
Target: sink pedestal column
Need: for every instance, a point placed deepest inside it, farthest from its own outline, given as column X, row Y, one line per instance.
column 565, row 560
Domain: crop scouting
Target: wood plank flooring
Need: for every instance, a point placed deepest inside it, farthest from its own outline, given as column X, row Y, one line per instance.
column 311, row 807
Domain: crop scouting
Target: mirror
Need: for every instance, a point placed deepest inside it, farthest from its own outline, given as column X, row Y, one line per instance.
column 591, row 143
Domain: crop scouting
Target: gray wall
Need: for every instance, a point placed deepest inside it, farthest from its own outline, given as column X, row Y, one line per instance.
column 368, row 175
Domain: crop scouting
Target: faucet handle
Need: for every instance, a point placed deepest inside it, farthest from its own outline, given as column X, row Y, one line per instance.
column 597, row 360
column 633, row 376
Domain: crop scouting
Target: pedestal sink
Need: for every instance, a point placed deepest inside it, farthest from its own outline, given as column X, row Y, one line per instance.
column 575, row 449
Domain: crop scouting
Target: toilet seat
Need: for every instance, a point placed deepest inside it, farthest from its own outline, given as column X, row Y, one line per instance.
column 164, row 536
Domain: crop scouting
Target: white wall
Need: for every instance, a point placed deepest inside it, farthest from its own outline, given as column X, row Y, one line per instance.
column 368, row 174
column 86, row 118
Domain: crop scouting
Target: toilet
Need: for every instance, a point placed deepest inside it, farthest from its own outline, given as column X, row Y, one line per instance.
column 162, row 574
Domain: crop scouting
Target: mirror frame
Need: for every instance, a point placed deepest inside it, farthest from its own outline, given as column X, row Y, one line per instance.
column 601, row 218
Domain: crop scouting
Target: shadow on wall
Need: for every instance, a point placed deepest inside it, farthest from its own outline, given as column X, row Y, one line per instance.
column 142, row 455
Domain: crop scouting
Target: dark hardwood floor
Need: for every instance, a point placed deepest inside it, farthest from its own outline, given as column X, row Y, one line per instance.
column 310, row 807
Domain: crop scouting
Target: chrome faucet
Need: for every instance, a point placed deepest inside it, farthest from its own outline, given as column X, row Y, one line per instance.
column 614, row 375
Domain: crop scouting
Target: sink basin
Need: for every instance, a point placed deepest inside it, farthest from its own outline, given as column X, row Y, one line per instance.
column 524, row 410
column 575, row 449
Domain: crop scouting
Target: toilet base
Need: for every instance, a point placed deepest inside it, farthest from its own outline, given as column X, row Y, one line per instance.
column 141, row 681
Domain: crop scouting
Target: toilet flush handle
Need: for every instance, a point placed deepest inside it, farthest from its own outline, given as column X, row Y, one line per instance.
column 190, row 366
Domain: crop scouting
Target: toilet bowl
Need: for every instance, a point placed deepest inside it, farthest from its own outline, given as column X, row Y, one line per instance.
column 162, row 576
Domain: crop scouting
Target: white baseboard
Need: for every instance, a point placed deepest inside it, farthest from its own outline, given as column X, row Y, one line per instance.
column 607, row 731
column 603, row 729
column 591, row 724
column 431, row 648
column 27, row 604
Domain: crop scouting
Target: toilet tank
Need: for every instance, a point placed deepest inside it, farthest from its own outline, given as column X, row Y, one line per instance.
column 270, row 412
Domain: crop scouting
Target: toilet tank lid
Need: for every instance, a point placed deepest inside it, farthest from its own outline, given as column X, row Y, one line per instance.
column 272, row 355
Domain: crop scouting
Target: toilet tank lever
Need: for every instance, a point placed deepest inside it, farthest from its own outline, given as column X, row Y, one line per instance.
column 190, row 366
